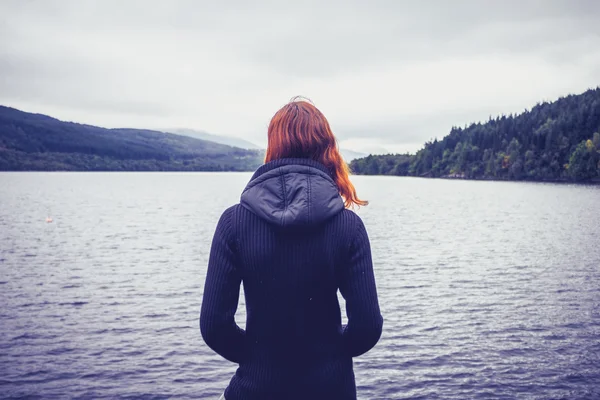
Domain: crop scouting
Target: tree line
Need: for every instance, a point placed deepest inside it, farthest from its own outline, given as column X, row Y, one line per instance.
column 554, row 141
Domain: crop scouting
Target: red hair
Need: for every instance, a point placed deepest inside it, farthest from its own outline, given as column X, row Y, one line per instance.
column 300, row 130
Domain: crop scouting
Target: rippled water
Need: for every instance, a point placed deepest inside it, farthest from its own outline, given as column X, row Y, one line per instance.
column 489, row 290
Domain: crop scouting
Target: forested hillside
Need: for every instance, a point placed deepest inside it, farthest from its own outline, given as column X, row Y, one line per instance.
column 552, row 141
column 38, row 142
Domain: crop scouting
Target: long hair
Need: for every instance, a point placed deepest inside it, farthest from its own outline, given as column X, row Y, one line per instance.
column 300, row 130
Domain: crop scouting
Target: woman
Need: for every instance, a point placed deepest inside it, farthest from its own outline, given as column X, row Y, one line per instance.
column 293, row 243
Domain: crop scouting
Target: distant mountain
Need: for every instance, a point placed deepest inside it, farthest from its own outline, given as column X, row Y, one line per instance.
column 350, row 155
column 39, row 142
column 554, row 141
column 227, row 140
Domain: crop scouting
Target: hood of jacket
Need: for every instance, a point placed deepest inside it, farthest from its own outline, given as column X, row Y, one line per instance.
column 292, row 192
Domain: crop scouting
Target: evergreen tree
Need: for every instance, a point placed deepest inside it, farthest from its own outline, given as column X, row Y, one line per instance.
column 552, row 141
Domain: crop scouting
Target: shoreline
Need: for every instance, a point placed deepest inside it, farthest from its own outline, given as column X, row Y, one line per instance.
column 593, row 182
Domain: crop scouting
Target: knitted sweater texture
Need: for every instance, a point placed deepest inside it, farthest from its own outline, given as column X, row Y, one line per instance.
column 292, row 245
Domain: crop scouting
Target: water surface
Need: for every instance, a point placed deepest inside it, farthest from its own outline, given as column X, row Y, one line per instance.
column 489, row 290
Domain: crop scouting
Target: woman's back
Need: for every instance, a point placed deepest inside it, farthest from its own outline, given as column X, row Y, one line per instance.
column 292, row 243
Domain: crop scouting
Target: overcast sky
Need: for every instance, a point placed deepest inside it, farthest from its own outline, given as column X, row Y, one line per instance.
column 388, row 75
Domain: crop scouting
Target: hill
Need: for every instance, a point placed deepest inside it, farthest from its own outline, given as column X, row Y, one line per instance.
column 227, row 140
column 554, row 141
column 39, row 142
column 348, row 155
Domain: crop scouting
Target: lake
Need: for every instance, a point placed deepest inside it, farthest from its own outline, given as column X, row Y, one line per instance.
column 489, row 290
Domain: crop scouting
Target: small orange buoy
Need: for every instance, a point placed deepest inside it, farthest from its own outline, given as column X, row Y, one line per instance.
column 48, row 219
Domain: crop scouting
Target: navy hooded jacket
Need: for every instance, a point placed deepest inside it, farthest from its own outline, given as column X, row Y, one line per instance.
column 292, row 244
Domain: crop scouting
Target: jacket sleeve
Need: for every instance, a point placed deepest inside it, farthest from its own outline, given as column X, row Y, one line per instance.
column 221, row 295
column 357, row 286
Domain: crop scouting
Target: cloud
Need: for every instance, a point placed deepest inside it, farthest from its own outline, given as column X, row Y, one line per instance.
column 387, row 74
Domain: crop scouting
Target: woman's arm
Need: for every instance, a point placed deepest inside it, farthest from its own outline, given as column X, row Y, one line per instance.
column 357, row 286
column 221, row 295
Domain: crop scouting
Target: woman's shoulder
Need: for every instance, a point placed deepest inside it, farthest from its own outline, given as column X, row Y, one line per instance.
column 235, row 214
column 229, row 211
column 351, row 215
column 228, row 216
column 351, row 220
